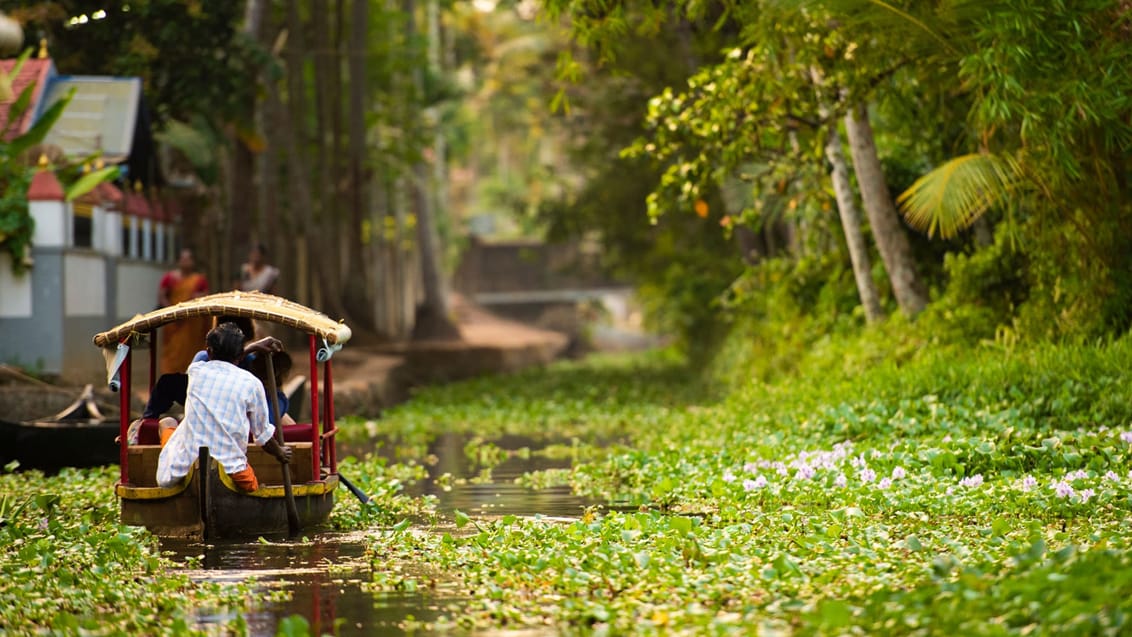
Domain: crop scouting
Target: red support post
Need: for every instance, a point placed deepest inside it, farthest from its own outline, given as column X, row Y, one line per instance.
column 331, row 426
column 315, row 433
column 124, row 418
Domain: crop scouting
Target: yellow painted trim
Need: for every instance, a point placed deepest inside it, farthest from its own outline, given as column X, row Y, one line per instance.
column 154, row 493
column 299, row 490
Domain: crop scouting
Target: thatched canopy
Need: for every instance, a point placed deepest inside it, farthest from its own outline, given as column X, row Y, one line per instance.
column 254, row 305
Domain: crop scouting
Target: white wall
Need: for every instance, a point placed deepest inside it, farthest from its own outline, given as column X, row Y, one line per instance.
column 15, row 292
column 137, row 288
column 84, row 285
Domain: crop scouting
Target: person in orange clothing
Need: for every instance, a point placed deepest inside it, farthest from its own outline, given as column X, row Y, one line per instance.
column 181, row 340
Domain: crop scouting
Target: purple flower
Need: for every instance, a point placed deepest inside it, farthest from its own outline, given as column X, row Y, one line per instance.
column 1079, row 474
column 972, row 481
column 804, row 473
column 1028, row 483
column 750, row 467
column 884, row 483
column 867, row 475
column 757, row 483
column 780, row 467
column 1126, row 436
column 1063, row 489
column 728, row 476
column 1086, row 494
column 898, row 473
column 840, row 481
column 1111, row 476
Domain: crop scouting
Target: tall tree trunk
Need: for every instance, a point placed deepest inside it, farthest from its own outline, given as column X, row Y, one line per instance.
column 851, row 226
column 243, row 196
column 432, row 319
column 888, row 232
column 322, row 264
column 359, row 295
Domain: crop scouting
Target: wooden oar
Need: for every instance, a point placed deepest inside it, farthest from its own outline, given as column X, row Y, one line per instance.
column 273, row 400
column 358, row 493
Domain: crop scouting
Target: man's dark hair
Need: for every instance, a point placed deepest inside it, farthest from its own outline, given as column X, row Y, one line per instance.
column 225, row 342
column 244, row 323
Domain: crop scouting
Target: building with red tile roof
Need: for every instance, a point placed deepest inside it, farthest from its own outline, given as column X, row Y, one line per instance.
column 37, row 73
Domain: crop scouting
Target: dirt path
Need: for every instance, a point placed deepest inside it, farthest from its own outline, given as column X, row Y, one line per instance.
column 489, row 344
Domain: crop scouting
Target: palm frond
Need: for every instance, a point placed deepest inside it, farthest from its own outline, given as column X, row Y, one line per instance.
column 951, row 197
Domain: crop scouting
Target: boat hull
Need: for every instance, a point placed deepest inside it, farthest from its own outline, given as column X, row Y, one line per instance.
column 208, row 505
column 50, row 446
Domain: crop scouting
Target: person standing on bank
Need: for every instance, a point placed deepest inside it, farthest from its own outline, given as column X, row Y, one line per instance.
column 223, row 405
column 181, row 340
column 257, row 275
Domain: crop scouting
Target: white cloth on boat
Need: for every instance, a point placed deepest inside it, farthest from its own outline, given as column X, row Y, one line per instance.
column 223, row 404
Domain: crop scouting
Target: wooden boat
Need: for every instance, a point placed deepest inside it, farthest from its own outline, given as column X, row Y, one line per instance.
column 207, row 504
column 76, row 436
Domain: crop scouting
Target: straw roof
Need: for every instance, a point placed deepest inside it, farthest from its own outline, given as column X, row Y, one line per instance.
column 255, row 305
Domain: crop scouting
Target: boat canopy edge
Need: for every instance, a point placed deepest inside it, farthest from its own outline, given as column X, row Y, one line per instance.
column 254, row 305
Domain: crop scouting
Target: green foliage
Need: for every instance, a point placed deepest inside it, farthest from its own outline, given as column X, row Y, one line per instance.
column 875, row 489
column 192, row 56
column 71, row 568
column 385, row 485
column 953, row 195
column 16, row 224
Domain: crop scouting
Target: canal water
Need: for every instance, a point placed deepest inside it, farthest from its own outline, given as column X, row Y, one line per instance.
column 325, row 579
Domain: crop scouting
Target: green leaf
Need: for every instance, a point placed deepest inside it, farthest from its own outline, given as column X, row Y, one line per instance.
column 39, row 130
column 462, row 518
column 681, row 524
column 834, row 613
column 87, row 182
column 951, row 197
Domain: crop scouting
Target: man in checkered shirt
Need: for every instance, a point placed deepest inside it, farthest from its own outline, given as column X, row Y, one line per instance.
column 224, row 403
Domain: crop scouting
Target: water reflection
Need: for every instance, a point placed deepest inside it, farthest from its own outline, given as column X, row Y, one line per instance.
column 324, row 579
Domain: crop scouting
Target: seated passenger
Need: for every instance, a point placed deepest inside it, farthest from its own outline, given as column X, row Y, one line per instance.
column 170, row 388
column 224, row 405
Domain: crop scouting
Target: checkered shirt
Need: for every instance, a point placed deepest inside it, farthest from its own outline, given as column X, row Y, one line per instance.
column 222, row 405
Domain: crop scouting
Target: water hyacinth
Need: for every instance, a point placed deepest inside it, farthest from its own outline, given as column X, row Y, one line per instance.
column 1126, row 437
column 751, row 485
column 972, row 482
column 758, row 546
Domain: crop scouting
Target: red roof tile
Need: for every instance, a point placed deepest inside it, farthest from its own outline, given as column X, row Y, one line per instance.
column 137, row 206
column 45, row 186
column 34, row 71
column 109, row 193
